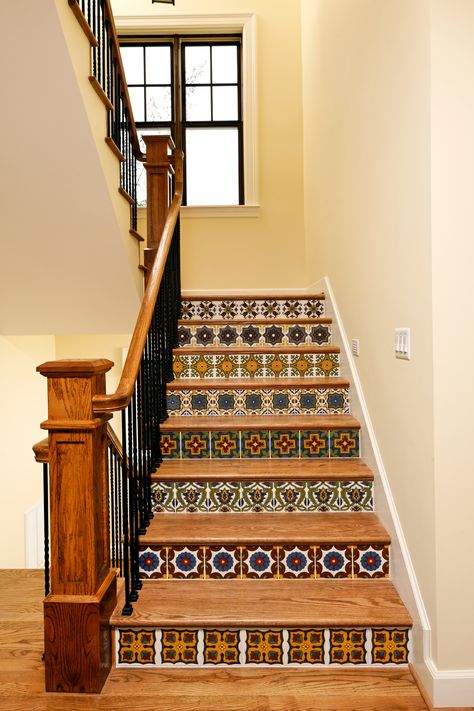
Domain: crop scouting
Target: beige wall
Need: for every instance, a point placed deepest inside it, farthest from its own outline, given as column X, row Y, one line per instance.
column 388, row 115
column 59, row 221
column 452, row 90
column 23, row 407
column 265, row 251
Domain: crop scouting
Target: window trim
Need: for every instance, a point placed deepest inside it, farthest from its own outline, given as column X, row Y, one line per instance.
column 245, row 24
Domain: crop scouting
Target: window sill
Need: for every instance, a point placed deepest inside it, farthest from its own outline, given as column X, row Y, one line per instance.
column 206, row 211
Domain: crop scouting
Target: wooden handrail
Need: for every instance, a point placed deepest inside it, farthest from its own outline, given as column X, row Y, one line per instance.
column 122, row 396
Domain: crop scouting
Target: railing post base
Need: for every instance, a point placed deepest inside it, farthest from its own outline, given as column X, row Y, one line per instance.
column 78, row 641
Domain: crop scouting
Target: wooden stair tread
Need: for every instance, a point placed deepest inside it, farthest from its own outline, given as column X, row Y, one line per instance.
column 277, row 296
column 256, row 383
column 254, row 321
column 268, row 469
column 259, row 528
column 266, row 603
column 267, row 422
column 257, row 350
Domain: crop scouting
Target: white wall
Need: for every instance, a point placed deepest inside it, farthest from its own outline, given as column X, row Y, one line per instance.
column 388, row 113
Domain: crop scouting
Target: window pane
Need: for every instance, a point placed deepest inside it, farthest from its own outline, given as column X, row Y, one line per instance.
column 137, row 96
column 198, row 103
column 224, row 65
column 225, row 106
column 198, row 64
column 132, row 58
column 158, row 65
column 212, row 166
column 158, row 103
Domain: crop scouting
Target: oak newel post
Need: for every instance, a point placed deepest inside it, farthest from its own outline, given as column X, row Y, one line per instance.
column 83, row 587
column 159, row 172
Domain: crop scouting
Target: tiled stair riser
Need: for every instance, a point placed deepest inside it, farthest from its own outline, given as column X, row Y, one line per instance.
column 253, row 334
column 247, row 365
column 241, row 562
column 262, row 496
column 229, row 309
column 304, row 647
column 239, row 402
column 272, row 444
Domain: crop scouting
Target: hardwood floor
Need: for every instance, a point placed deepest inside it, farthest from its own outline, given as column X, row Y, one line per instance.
column 22, row 676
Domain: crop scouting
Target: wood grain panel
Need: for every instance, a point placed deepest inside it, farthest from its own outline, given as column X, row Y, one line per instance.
column 280, row 422
column 268, row 469
column 260, row 528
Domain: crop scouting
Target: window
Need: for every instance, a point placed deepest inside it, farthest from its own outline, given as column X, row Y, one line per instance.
column 191, row 88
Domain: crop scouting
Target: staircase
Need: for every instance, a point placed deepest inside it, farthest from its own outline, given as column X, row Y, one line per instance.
column 264, row 548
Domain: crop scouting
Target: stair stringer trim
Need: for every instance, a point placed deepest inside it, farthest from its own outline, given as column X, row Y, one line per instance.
column 447, row 688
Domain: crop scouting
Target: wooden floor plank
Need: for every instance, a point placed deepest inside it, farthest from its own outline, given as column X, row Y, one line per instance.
column 257, row 422
column 256, row 383
column 267, row 469
column 269, row 603
column 260, row 528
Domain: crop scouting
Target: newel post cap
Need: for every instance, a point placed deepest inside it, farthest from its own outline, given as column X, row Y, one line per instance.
column 77, row 368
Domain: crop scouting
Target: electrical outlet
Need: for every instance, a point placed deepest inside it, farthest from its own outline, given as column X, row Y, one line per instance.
column 402, row 343
column 355, row 346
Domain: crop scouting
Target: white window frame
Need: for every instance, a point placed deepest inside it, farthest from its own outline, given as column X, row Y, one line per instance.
column 244, row 23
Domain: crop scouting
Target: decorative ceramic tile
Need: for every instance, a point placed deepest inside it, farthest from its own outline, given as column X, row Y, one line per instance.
column 371, row 561
column 186, row 562
column 170, row 444
column 334, row 561
column 323, row 496
column 296, row 562
column 251, row 308
column 221, row 647
column 314, row 443
column 190, row 496
column 255, row 445
column 152, row 562
column 256, row 497
column 348, row 646
column 224, row 496
column 290, row 496
column 285, row 444
column 222, row 562
column 259, row 365
column 225, row 445
column 195, row 445
column 275, row 400
column 390, row 646
column 306, row 647
column 259, row 562
column 357, row 496
column 264, row 647
column 136, row 647
column 344, row 443
column 163, row 497
column 180, row 646
column 256, row 334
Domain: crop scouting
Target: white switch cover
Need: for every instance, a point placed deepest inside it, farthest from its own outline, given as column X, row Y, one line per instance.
column 402, row 343
column 355, row 346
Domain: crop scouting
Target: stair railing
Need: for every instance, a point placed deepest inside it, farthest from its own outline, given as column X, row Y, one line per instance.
column 97, row 485
column 108, row 80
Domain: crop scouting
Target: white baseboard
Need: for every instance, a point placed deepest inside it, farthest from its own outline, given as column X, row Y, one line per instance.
column 34, row 536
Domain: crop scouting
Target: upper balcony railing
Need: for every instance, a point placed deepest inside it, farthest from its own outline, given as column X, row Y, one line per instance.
column 98, row 485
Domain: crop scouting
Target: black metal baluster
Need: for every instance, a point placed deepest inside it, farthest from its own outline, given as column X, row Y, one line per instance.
column 46, row 528
column 127, row 609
